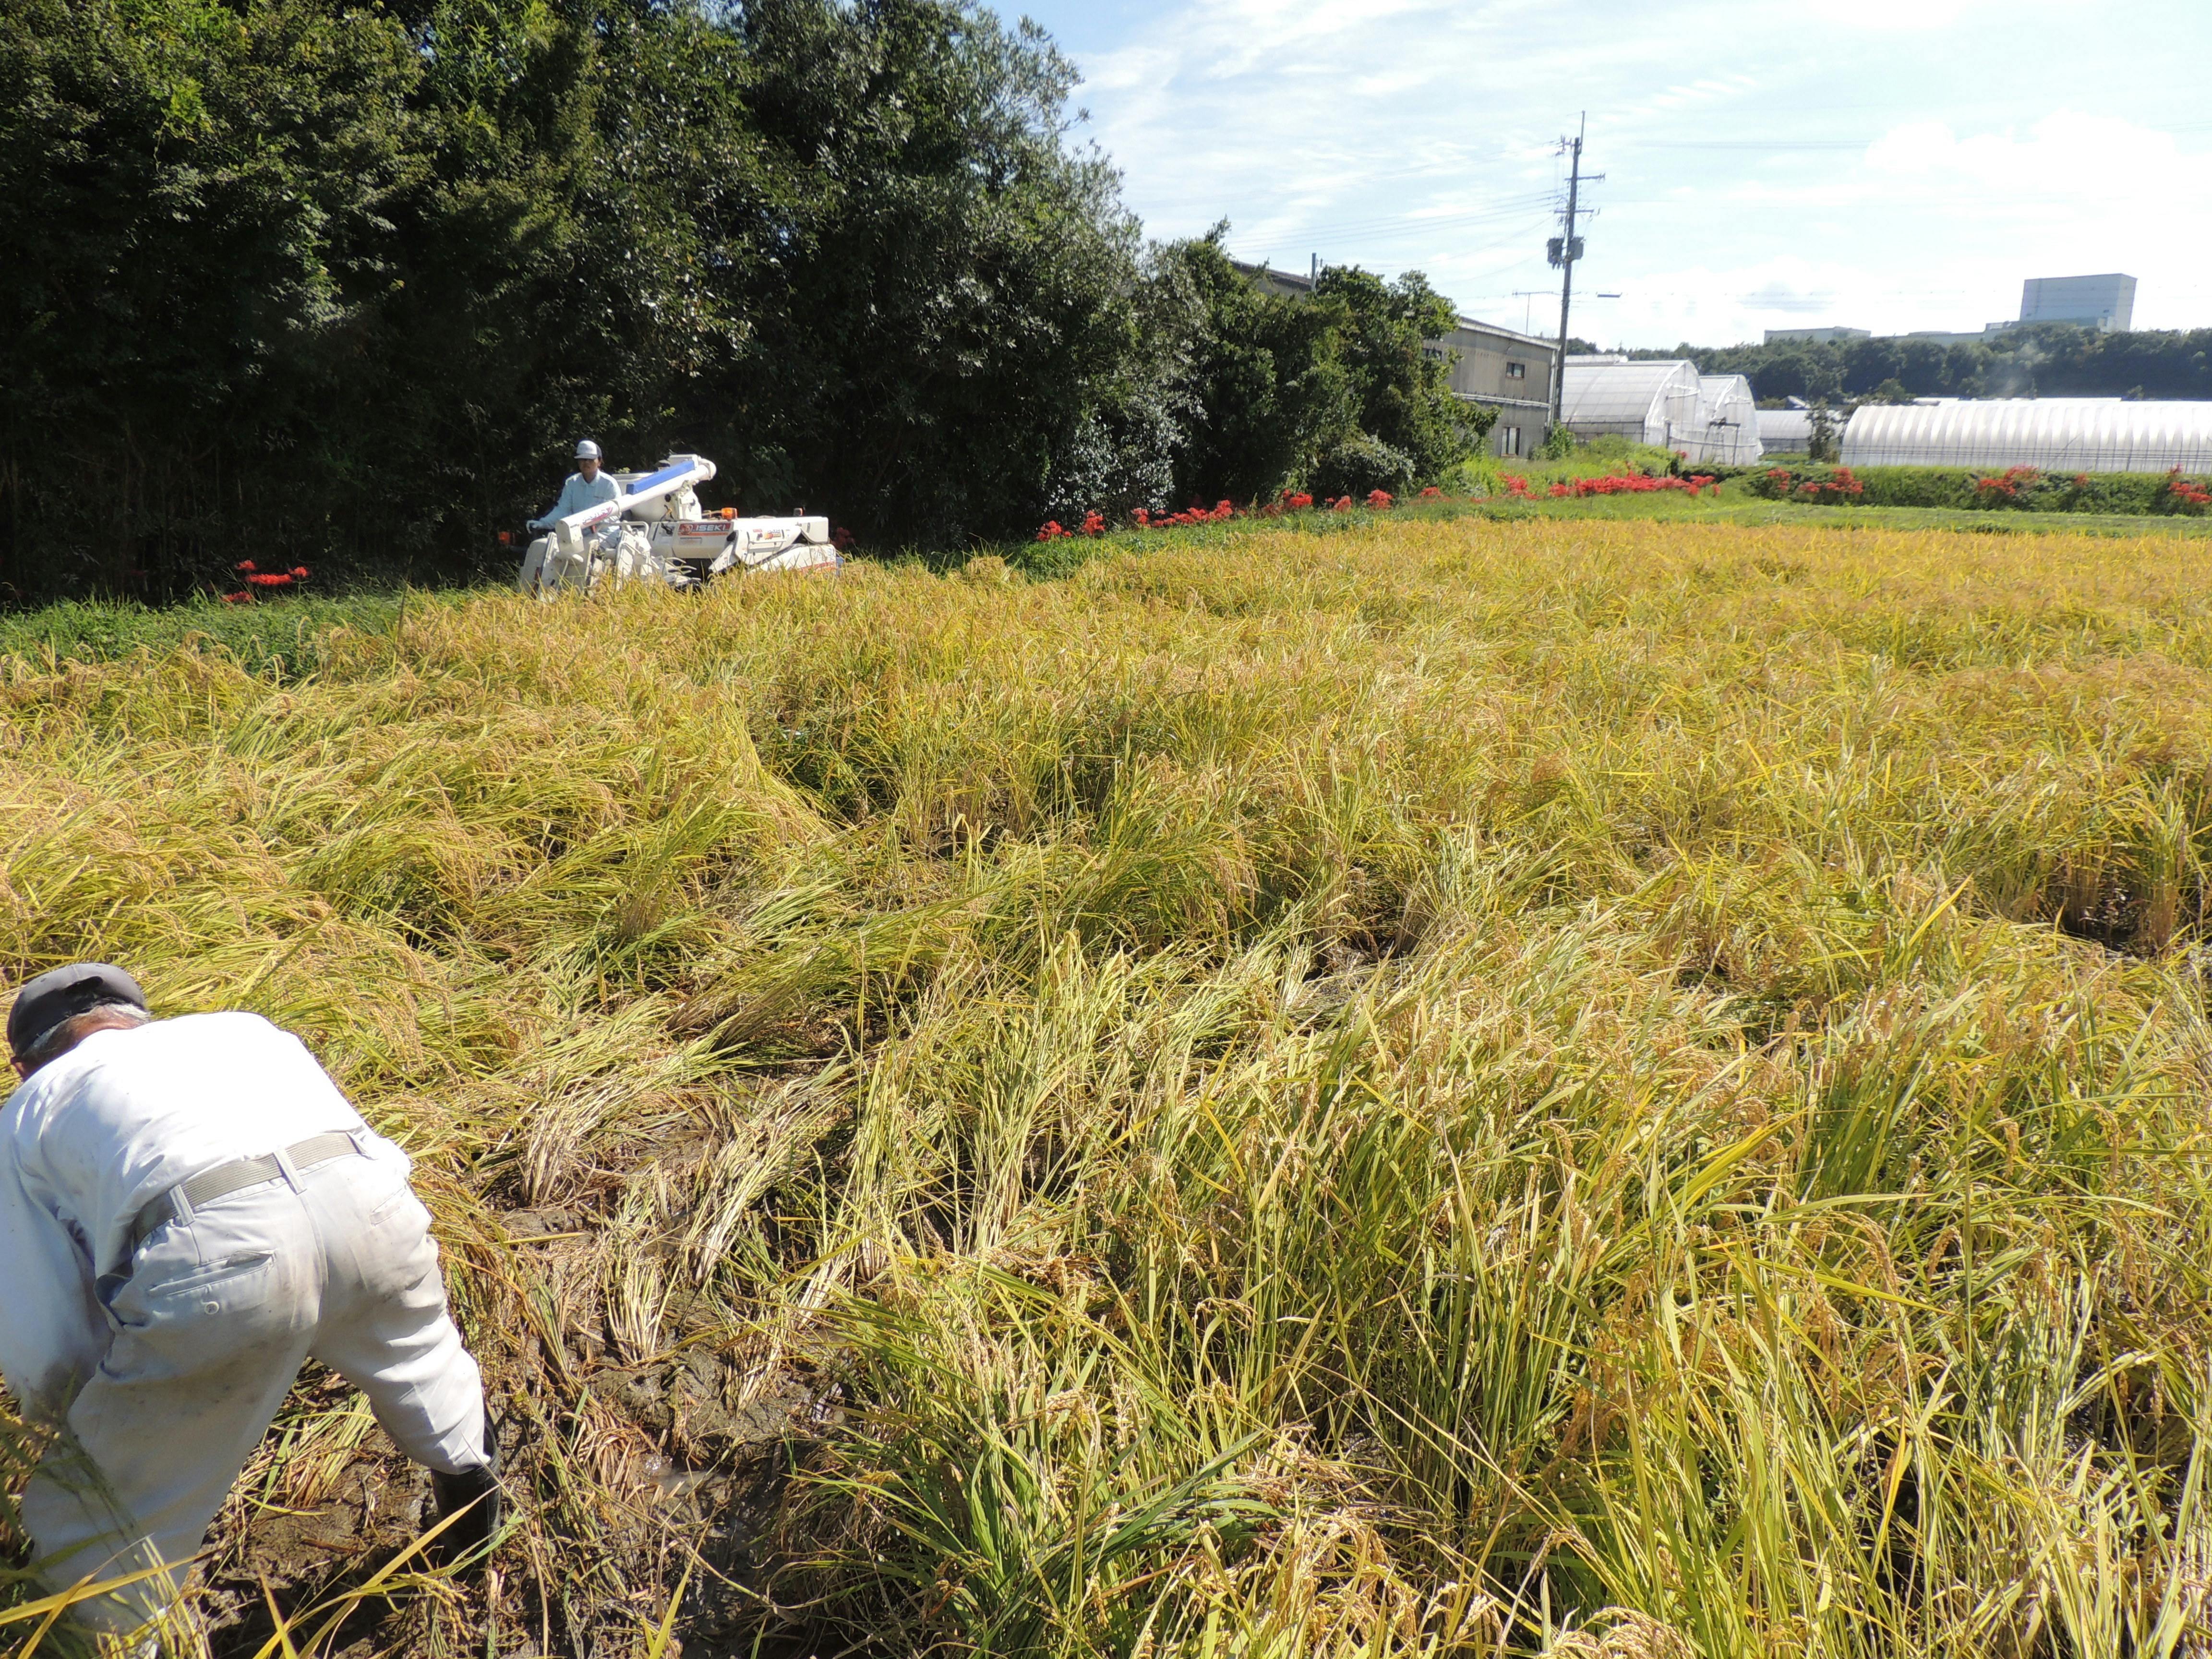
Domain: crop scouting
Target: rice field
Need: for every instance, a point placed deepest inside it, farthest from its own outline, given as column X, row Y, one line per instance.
column 1583, row 1087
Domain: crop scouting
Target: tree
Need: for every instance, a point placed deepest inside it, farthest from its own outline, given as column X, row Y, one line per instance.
column 1823, row 444
column 1267, row 388
column 195, row 262
column 1340, row 389
column 345, row 284
column 1403, row 390
column 955, row 315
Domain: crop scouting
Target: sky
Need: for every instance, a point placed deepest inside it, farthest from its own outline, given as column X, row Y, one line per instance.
column 1883, row 164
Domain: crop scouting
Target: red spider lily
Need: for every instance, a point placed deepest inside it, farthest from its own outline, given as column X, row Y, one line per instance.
column 1052, row 530
column 2008, row 485
column 840, row 537
column 1632, row 483
column 256, row 579
column 1432, row 494
column 1516, row 484
column 1094, row 523
column 1341, row 504
column 1298, row 502
column 1378, row 499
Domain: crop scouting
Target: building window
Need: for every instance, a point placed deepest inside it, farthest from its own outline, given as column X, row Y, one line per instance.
column 1508, row 440
column 1516, row 371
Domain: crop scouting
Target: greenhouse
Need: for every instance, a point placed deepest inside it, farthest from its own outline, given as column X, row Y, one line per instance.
column 1649, row 403
column 1786, row 429
column 1730, row 418
column 2057, row 434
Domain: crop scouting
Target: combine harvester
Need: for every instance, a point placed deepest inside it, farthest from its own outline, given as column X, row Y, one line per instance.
column 657, row 533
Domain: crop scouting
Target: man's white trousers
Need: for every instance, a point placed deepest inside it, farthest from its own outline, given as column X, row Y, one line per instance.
column 207, row 1334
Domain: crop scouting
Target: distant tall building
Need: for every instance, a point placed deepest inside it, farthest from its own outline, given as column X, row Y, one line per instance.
column 1816, row 336
column 2105, row 302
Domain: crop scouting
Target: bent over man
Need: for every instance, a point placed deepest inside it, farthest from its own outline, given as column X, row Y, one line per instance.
column 189, row 1208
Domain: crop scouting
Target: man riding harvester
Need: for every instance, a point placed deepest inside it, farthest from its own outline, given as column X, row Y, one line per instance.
column 612, row 528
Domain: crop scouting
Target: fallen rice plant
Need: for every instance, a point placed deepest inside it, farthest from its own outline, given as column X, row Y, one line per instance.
column 1592, row 1088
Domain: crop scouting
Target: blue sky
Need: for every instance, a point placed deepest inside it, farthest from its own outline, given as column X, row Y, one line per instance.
column 1888, row 164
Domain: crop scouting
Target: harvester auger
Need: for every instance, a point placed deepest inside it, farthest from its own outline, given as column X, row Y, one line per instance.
column 656, row 533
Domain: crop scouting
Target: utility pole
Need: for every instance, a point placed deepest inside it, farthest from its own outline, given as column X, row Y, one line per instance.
column 1565, row 250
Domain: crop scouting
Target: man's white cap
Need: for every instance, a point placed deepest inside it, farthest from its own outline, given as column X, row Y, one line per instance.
column 587, row 451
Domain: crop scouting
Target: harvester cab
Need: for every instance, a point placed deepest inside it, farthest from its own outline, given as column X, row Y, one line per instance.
column 655, row 532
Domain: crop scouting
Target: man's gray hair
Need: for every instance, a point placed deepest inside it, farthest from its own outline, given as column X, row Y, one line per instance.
column 72, row 1029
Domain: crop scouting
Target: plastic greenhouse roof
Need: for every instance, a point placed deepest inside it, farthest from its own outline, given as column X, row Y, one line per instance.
column 1594, row 392
column 2088, row 435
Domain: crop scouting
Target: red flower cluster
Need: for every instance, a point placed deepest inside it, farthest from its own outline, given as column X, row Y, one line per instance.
column 1516, row 485
column 1220, row 512
column 1633, row 484
column 1094, row 524
column 2186, row 494
column 1380, row 499
column 1842, row 486
column 2008, row 485
column 261, row 580
column 1432, row 494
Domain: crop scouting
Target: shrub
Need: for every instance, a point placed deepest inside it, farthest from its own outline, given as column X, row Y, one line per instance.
column 2178, row 494
column 1362, row 464
column 2018, row 489
column 1835, row 484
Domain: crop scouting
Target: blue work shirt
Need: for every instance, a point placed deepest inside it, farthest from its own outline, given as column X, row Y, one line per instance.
column 580, row 493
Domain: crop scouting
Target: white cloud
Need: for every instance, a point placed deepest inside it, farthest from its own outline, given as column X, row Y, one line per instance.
column 1400, row 133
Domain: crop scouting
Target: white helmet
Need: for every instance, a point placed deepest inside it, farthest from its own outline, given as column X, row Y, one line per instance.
column 587, row 451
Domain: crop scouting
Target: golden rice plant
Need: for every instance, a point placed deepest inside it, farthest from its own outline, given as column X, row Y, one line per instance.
column 1575, row 1087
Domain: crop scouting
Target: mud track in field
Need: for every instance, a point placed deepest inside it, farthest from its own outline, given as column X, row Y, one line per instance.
column 662, row 1463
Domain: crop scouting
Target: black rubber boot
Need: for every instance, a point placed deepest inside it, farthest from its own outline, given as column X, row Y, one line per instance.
column 473, row 1495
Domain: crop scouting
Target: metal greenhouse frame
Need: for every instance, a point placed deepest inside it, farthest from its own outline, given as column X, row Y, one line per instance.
column 1730, row 418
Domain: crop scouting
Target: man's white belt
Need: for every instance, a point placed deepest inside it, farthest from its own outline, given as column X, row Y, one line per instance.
column 179, row 1201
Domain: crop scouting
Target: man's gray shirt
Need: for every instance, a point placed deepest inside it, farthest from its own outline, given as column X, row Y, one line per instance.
column 581, row 492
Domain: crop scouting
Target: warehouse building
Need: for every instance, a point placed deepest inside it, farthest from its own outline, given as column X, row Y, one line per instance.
column 2107, row 302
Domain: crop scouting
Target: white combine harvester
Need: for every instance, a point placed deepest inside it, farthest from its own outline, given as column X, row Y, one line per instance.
column 655, row 532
